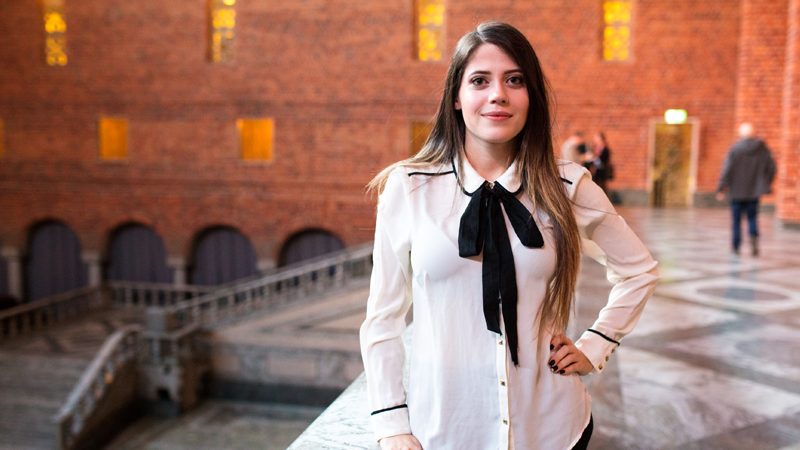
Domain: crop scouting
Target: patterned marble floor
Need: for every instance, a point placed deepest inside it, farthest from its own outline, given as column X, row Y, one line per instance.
column 713, row 364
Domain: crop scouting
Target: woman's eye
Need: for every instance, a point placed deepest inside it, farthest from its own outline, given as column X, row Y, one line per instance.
column 478, row 81
column 515, row 80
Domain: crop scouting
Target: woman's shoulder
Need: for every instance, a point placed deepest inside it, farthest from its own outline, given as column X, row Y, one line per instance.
column 571, row 173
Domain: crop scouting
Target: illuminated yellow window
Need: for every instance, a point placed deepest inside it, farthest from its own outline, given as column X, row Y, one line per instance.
column 55, row 28
column 419, row 134
column 113, row 138
column 222, row 15
column 255, row 137
column 430, row 36
column 617, row 31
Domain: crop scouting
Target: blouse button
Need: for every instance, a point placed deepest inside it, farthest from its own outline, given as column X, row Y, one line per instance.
column 613, row 350
column 505, row 422
column 600, row 367
column 500, row 343
column 606, row 357
column 502, row 383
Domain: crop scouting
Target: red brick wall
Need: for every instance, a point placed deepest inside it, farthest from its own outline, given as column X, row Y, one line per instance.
column 762, row 51
column 788, row 189
column 338, row 78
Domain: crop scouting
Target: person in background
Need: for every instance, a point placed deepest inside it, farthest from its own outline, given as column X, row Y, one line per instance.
column 747, row 174
column 601, row 162
column 574, row 149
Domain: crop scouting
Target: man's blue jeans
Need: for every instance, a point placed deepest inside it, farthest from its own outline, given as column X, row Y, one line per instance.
column 751, row 208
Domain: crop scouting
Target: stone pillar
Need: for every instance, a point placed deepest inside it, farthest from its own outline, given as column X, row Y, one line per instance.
column 14, row 264
column 267, row 265
column 92, row 261
column 178, row 266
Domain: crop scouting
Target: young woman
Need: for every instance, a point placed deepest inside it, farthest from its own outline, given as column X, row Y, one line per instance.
column 483, row 231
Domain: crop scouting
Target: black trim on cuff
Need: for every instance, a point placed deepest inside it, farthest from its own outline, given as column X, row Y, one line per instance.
column 388, row 409
column 603, row 336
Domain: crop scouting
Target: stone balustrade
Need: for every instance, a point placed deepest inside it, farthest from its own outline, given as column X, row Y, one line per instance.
column 37, row 315
column 93, row 401
column 302, row 280
column 131, row 294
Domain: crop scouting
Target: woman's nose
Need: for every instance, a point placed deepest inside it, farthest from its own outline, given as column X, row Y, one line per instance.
column 498, row 94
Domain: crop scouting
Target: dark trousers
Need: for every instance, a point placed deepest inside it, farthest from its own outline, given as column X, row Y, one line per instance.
column 587, row 434
column 750, row 207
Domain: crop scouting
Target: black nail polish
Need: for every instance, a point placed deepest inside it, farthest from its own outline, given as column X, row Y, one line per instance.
column 551, row 363
column 555, row 368
column 561, row 373
column 551, row 347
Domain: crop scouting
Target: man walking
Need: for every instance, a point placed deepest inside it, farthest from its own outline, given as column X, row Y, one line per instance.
column 746, row 175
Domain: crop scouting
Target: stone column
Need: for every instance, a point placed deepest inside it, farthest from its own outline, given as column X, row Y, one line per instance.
column 787, row 184
column 266, row 266
column 92, row 261
column 178, row 266
column 14, row 264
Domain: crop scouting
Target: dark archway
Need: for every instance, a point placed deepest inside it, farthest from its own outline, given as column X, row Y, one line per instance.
column 136, row 253
column 222, row 255
column 308, row 244
column 53, row 261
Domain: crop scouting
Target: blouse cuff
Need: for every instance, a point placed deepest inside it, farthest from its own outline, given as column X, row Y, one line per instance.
column 597, row 349
column 391, row 423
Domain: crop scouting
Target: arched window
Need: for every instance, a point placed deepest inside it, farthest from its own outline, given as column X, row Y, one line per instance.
column 137, row 253
column 53, row 264
column 308, row 244
column 222, row 255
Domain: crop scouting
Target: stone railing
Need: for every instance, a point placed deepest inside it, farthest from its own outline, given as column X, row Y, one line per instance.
column 92, row 400
column 39, row 314
column 46, row 312
column 139, row 295
column 299, row 281
column 345, row 424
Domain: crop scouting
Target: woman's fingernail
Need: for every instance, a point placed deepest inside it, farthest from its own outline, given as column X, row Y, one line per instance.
column 555, row 368
column 551, row 346
column 551, row 363
column 561, row 372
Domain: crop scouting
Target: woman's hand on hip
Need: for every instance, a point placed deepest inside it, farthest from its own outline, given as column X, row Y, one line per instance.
column 400, row 442
column 566, row 359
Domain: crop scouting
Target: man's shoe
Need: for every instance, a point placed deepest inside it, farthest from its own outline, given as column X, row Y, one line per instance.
column 754, row 243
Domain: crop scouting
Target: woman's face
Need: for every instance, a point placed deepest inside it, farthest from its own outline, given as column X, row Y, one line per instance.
column 493, row 98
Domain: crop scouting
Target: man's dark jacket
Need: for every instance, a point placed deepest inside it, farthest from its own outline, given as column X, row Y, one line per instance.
column 748, row 170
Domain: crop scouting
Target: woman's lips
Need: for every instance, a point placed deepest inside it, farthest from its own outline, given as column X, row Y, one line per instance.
column 497, row 115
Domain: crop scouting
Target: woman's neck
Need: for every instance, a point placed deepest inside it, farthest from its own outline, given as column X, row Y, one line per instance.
column 490, row 163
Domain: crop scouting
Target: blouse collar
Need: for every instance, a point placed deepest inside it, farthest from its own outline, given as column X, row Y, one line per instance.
column 472, row 180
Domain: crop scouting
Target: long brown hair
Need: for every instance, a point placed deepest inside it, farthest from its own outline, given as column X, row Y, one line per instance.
column 536, row 164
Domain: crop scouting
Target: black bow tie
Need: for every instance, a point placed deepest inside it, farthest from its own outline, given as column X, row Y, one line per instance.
column 483, row 227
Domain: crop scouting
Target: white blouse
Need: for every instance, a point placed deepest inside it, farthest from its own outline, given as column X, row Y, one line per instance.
column 464, row 391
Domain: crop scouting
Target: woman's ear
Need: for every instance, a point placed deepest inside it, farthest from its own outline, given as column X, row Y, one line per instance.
column 458, row 105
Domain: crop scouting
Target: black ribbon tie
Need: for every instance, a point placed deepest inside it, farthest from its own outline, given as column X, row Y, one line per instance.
column 484, row 228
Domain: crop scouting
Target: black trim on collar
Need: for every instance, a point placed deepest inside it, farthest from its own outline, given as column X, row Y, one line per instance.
column 566, row 180
column 430, row 174
column 603, row 336
column 388, row 409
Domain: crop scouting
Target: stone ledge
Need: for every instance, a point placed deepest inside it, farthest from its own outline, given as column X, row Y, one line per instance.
column 346, row 424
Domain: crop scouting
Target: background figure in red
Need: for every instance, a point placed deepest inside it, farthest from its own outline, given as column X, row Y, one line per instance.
column 601, row 171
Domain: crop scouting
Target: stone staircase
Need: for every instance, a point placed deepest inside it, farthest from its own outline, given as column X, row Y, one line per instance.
column 32, row 389
column 38, row 372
